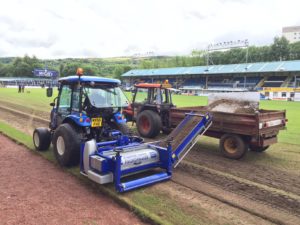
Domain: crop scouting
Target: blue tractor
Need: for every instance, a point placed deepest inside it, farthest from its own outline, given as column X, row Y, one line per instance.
column 86, row 107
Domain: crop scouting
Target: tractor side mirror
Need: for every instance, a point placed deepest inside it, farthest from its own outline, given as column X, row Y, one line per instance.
column 49, row 92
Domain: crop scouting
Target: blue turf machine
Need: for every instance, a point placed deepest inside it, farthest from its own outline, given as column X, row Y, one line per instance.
column 130, row 163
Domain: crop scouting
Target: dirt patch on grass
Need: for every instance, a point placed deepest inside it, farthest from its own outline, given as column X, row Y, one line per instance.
column 263, row 174
column 25, row 109
column 234, row 199
column 271, row 197
column 205, row 209
column 23, row 123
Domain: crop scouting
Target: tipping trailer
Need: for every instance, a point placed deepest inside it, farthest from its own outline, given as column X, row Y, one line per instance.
column 114, row 161
column 239, row 131
column 153, row 111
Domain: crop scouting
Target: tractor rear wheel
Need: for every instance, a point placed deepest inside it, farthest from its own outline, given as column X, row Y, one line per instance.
column 148, row 124
column 41, row 138
column 66, row 143
column 233, row 146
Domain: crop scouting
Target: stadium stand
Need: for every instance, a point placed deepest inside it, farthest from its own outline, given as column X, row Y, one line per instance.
column 33, row 82
column 233, row 77
column 291, row 82
column 274, row 81
column 200, row 82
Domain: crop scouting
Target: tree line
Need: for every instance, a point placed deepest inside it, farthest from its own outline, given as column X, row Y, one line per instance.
column 279, row 50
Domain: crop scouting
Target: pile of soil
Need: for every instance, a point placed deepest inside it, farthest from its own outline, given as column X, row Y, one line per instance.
column 233, row 106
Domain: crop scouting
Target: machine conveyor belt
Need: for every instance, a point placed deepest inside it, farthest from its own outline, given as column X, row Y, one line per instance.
column 184, row 136
column 182, row 131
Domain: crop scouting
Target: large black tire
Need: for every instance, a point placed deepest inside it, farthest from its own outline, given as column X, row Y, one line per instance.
column 258, row 149
column 41, row 138
column 66, row 143
column 233, row 146
column 148, row 124
column 122, row 127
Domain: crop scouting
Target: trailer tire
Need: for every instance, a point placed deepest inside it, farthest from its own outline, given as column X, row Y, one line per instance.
column 233, row 146
column 122, row 127
column 258, row 149
column 66, row 145
column 41, row 138
column 148, row 124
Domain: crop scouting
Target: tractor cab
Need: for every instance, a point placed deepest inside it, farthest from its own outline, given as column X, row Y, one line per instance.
column 151, row 104
column 87, row 107
column 152, row 95
column 96, row 100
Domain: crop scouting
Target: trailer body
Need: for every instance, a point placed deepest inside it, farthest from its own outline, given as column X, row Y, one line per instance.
column 237, row 132
column 259, row 129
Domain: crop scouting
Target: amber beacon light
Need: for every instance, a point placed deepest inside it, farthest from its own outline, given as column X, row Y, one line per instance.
column 79, row 72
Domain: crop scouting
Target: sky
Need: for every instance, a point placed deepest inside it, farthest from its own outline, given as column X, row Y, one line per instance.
column 112, row 28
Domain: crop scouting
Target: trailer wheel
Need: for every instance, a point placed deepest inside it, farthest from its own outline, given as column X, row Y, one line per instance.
column 122, row 127
column 233, row 146
column 66, row 143
column 258, row 149
column 41, row 138
column 148, row 124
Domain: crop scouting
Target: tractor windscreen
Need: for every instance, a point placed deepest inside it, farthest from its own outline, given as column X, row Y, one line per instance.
column 105, row 97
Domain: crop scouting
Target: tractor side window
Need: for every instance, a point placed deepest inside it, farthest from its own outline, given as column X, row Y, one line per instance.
column 157, row 98
column 166, row 96
column 65, row 99
column 75, row 99
column 141, row 95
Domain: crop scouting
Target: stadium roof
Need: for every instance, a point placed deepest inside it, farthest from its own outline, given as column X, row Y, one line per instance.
column 262, row 67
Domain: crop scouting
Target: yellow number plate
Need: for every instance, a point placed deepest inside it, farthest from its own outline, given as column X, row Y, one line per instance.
column 97, row 122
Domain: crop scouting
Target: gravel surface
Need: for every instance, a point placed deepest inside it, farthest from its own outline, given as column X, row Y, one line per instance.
column 34, row 191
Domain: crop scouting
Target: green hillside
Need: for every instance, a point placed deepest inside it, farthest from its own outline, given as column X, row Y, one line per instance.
column 281, row 49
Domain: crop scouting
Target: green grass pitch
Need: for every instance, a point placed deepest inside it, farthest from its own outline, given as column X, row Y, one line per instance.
column 36, row 98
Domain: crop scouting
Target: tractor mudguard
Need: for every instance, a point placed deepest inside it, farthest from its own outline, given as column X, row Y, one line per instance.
column 82, row 121
column 119, row 118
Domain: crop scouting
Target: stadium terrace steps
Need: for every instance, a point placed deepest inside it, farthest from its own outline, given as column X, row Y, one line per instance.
column 261, row 82
column 287, row 81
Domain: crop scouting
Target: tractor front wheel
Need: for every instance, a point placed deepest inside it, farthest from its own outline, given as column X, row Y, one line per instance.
column 41, row 138
column 233, row 146
column 66, row 143
column 148, row 124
